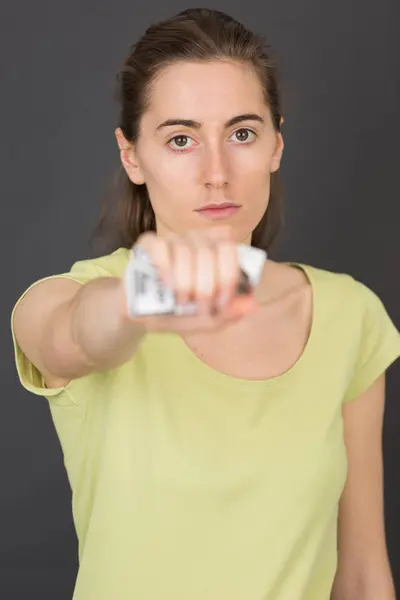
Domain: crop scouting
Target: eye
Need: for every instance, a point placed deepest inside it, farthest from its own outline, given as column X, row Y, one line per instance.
column 244, row 135
column 180, row 142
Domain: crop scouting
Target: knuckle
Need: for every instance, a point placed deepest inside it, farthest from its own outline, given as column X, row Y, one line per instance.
column 228, row 249
column 146, row 239
column 181, row 252
column 153, row 245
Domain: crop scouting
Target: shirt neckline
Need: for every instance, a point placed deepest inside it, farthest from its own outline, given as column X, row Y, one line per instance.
column 200, row 369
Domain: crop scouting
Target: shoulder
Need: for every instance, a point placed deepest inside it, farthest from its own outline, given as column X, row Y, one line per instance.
column 353, row 308
column 340, row 288
column 331, row 289
column 109, row 265
column 357, row 325
column 82, row 271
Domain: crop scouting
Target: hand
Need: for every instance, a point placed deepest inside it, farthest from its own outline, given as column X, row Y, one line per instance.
column 201, row 267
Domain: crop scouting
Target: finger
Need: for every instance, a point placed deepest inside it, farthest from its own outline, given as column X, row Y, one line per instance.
column 158, row 252
column 228, row 272
column 182, row 269
column 205, row 272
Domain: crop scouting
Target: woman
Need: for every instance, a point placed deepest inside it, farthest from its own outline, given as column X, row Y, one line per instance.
column 237, row 454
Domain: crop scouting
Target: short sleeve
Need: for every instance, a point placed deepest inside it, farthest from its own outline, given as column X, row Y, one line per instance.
column 378, row 343
column 82, row 272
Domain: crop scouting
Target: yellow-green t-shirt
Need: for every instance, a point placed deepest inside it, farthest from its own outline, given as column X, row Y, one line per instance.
column 189, row 484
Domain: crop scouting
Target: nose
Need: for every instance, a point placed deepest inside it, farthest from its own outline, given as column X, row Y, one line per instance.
column 215, row 168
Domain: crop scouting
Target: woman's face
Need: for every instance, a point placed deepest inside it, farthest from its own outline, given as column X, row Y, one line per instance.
column 206, row 138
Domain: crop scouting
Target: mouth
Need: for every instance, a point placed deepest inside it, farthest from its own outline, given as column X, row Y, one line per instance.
column 218, row 211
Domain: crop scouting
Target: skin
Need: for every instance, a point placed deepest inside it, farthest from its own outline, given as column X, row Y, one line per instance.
column 215, row 165
column 219, row 163
column 363, row 571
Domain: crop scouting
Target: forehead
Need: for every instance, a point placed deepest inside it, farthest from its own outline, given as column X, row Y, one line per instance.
column 206, row 90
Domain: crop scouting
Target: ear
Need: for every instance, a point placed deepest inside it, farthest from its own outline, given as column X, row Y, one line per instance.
column 129, row 158
column 277, row 156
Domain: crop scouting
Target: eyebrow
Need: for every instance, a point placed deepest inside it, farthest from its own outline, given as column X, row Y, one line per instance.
column 197, row 125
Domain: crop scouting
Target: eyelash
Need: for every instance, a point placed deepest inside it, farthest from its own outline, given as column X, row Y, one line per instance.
column 187, row 136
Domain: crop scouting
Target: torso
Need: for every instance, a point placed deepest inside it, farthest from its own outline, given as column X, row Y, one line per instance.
column 203, row 478
column 270, row 342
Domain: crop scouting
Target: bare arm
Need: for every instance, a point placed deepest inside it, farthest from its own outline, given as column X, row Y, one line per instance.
column 68, row 330
column 363, row 570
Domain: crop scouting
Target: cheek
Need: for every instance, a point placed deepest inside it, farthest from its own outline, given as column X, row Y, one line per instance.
column 166, row 171
column 255, row 159
column 251, row 170
column 170, row 182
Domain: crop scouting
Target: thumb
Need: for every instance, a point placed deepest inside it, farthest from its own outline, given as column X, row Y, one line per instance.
column 240, row 306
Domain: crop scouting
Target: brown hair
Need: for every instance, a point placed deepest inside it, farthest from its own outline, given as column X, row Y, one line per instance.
column 194, row 34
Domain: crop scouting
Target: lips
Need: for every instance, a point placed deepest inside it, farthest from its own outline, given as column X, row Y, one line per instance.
column 217, row 212
column 219, row 206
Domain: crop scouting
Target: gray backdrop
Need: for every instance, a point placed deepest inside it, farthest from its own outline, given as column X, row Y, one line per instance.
column 341, row 70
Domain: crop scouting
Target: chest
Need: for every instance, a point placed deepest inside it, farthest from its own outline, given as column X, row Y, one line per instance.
column 261, row 346
column 185, row 454
column 201, row 433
